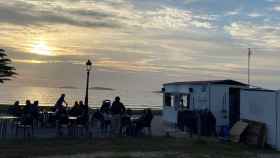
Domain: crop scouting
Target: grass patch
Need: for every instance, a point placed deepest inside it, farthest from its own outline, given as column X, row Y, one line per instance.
column 170, row 146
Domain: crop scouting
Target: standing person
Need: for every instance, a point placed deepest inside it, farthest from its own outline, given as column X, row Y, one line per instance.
column 84, row 108
column 117, row 109
column 59, row 103
column 27, row 116
column 27, row 108
column 34, row 110
column 105, row 111
column 182, row 104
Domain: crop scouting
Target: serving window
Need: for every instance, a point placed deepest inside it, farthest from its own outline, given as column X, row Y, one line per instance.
column 177, row 100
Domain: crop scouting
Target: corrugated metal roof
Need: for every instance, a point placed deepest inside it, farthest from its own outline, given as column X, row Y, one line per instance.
column 225, row 82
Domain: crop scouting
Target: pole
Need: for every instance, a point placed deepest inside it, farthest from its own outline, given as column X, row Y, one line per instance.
column 86, row 98
column 249, row 58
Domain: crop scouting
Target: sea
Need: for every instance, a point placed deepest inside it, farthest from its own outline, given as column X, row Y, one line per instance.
column 47, row 96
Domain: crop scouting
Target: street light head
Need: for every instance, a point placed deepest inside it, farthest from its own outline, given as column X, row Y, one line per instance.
column 89, row 65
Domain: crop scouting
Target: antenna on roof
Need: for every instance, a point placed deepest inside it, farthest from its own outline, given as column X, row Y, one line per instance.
column 249, row 58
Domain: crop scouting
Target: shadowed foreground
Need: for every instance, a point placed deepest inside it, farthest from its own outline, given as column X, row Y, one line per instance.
column 126, row 147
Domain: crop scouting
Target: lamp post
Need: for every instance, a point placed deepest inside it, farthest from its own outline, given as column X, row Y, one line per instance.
column 88, row 66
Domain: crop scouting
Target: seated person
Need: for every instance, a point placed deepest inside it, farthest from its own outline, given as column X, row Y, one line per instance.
column 75, row 110
column 35, row 112
column 144, row 121
column 62, row 118
column 97, row 115
column 126, row 122
column 83, row 114
column 59, row 103
column 105, row 111
column 15, row 110
column 126, row 117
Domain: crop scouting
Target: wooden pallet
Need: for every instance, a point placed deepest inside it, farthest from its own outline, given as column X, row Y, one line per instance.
column 237, row 130
column 255, row 134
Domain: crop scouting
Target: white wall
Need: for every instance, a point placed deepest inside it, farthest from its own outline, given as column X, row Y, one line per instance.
column 278, row 119
column 169, row 114
column 198, row 100
column 260, row 106
column 200, row 97
column 213, row 97
column 177, row 88
column 219, row 103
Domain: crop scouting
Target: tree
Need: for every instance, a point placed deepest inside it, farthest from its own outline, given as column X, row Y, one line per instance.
column 6, row 70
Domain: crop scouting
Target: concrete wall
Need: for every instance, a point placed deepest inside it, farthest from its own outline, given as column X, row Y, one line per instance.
column 260, row 106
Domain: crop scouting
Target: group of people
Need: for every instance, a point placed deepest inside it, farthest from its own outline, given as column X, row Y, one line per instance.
column 32, row 111
column 114, row 115
column 62, row 111
column 120, row 119
column 28, row 109
column 110, row 115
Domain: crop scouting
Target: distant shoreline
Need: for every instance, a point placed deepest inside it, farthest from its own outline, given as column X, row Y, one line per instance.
column 102, row 88
column 136, row 110
column 91, row 88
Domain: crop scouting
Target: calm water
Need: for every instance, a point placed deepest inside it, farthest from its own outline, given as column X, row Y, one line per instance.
column 48, row 96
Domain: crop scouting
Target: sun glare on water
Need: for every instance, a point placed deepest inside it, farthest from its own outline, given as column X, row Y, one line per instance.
column 41, row 48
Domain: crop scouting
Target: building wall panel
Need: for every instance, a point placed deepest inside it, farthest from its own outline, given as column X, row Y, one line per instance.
column 260, row 106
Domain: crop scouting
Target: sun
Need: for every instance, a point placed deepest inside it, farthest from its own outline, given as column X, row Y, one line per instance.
column 41, row 48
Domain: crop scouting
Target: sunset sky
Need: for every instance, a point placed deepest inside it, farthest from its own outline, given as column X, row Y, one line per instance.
column 141, row 43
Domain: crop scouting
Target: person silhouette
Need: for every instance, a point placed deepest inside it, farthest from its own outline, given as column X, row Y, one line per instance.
column 59, row 102
column 117, row 109
column 15, row 109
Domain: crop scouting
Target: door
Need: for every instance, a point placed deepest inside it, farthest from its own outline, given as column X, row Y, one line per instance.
column 234, row 106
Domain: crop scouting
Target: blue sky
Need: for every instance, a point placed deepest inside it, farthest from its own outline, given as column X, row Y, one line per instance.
column 167, row 39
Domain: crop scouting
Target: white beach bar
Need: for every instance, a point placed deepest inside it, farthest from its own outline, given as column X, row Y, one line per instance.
column 228, row 100
column 216, row 96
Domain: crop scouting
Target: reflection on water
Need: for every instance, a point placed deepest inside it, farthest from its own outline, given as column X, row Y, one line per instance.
column 48, row 96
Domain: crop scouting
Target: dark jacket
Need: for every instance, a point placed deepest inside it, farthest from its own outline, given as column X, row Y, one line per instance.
column 117, row 108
